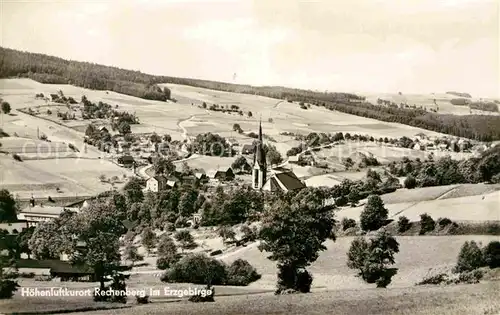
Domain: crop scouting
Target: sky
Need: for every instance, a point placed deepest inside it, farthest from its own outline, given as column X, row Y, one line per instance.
column 372, row 46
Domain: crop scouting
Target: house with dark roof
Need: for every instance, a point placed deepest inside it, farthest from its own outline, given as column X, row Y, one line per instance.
column 247, row 149
column 56, row 268
column 221, row 174
column 126, row 160
column 283, row 180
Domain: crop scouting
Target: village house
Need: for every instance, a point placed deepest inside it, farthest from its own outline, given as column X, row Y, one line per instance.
column 158, row 183
column 14, row 227
column 126, row 160
column 247, row 149
column 221, row 174
column 33, row 215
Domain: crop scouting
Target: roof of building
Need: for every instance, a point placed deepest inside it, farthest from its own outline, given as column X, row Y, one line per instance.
column 289, row 180
column 259, row 157
column 49, row 210
column 200, row 175
column 55, row 266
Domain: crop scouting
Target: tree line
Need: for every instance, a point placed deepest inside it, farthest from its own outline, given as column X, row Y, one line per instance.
column 49, row 69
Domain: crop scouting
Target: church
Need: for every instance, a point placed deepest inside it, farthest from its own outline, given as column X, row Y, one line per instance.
column 279, row 179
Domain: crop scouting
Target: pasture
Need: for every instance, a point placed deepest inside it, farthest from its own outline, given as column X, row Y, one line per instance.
column 469, row 208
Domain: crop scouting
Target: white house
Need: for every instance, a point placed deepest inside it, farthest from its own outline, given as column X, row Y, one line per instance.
column 36, row 214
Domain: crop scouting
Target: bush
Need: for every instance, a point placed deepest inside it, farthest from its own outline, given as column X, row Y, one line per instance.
column 404, row 224
column 142, row 299
column 202, row 297
column 216, row 252
column 249, row 233
column 427, row 224
column 17, row 157
column 410, row 182
column 292, row 279
column 469, row 258
column 197, row 269
column 436, row 279
column 241, row 273
column 8, row 288
column 470, row 277
column 348, row 223
column 374, row 214
column 444, row 222
column 491, row 254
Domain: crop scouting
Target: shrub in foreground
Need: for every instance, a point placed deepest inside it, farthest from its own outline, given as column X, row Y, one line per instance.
column 197, row 269
column 491, row 254
column 469, row 258
column 7, row 288
column 241, row 273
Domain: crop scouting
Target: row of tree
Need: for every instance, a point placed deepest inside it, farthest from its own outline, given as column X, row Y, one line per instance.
column 50, row 69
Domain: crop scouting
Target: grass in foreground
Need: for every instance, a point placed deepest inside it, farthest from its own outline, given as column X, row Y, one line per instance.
column 454, row 300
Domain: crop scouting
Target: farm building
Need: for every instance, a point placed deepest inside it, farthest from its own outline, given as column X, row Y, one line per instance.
column 221, row 174
column 34, row 215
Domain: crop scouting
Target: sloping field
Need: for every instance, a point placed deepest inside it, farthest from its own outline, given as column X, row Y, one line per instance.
column 471, row 208
column 417, row 256
column 427, row 100
column 41, row 178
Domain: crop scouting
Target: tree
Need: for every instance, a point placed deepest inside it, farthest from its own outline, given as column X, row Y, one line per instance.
column 374, row 214
column 250, row 114
column 293, row 231
column 227, row 233
column 124, row 128
column 491, row 254
column 410, row 182
column 155, row 138
column 148, row 239
column 273, row 157
column 6, row 108
column 469, row 258
column 237, row 128
column 99, row 227
column 132, row 254
column 185, row 239
column 163, row 166
column 8, row 274
column 167, row 138
column 187, row 202
column 404, row 224
column 8, row 207
column 241, row 163
column 427, row 224
column 133, row 190
column 372, row 258
column 167, row 252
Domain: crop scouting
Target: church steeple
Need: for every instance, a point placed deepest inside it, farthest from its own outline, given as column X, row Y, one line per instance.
column 259, row 162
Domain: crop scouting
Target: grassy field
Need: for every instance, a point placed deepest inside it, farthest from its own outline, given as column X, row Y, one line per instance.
column 73, row 176
column 427, row 100
column 468, row 208
column 457, row 300
column 418, row 255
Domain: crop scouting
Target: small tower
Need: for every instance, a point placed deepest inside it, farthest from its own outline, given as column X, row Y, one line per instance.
column 259, row 169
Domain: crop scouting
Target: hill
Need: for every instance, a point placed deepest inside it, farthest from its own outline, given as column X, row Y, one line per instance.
column 48, row 69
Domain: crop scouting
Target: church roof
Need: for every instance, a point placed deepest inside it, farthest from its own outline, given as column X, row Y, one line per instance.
column 260, row 156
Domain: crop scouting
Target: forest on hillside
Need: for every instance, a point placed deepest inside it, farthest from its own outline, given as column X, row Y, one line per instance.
column 49, row 69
